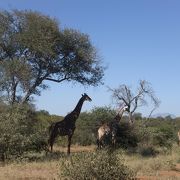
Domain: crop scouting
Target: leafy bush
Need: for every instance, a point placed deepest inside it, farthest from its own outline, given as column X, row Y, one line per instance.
column 156, row 133
column 147, row 151
column 163, row 136
column 20, row 132
column 127, row 135
column 95, row 166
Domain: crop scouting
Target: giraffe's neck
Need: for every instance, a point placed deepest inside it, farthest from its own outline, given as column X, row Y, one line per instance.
column 78, row 107
column 119, row 115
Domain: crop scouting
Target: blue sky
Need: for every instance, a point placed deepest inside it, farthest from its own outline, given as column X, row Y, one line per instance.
column 136, row 40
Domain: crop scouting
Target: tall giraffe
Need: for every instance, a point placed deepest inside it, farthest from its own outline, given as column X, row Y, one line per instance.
column 67, row 126
column 110, row 128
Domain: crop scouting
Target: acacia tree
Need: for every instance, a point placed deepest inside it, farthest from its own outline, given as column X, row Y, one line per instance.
column 34, row 49
column 124, row 95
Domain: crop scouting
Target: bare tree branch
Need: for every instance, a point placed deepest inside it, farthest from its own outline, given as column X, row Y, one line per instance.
column 124, row 94
column 57, row 80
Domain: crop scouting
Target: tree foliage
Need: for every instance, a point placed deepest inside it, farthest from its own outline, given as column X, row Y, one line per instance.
column 34, row 50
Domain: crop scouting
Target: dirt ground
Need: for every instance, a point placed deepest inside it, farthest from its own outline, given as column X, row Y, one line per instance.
column 76, row 148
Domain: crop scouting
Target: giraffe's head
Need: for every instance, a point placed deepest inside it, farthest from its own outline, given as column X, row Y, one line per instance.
column 125, row 108
column 86, row 97
column 121, row 111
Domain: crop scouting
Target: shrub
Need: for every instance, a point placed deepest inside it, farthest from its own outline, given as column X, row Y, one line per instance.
column 163, row 136
column 20, row 132
column 127, row 135
column 147, row 151
column 95, row 166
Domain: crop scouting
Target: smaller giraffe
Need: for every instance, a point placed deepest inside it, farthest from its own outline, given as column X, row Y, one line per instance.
column 110, row 128
column 66, row 127
column 178, row 137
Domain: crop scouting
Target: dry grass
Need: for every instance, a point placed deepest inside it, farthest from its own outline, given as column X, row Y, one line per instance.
column 76, row 148
column 160, row 167
column 150, row 165
column 47, row 169
column 30, row 171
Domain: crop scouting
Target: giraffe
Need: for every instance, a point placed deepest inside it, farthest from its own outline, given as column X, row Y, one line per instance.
column 178, row 137
column 110, row 128
column 67, row 126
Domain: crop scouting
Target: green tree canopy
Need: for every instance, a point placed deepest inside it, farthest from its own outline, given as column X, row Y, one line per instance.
column 34, row 49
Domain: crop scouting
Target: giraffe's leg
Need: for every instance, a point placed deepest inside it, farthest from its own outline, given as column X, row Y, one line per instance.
column 97, row 141
column 69, row 144
column 114, row 142
column 51, row 146
column 52, row 138
column 3, row 157
column 114, row 139
column 103, row 142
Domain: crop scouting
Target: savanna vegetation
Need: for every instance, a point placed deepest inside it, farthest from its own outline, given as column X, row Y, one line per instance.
column 24, row 134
